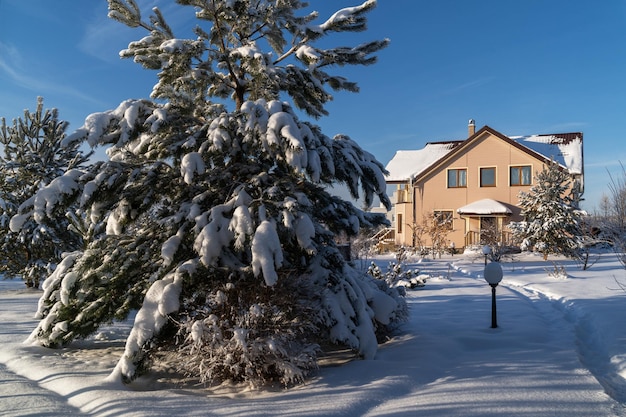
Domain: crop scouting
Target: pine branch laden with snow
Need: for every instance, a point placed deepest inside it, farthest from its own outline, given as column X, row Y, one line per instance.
column 358, row 308
column 226, row 60
column 239, row 195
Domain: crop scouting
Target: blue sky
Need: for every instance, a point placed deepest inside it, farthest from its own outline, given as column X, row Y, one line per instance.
column 521, row 67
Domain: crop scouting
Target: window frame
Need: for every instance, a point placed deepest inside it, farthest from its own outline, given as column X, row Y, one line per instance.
column 457, row 177
column 480, row 176
column 444, row 218
column 520, row 176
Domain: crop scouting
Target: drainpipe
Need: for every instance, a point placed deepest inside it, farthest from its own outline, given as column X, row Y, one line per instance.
column 413, row 203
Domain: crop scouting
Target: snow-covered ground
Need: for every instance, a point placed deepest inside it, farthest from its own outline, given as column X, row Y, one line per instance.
column 559, row 350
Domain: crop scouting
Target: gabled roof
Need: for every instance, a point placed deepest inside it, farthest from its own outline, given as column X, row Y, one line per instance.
column 407, row 165
column 564, row 148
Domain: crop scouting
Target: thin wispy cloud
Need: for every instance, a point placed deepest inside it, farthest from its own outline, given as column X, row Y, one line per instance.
column 11, row 64
column 104, row 38
column 468, row 85
column 605, row 164
column 10, row 54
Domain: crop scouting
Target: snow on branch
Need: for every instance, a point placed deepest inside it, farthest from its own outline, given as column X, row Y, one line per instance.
column 221, row 225
column 169, row 248
column 305, row 231
column 51, row 287
column 46, row 200
column 257, row 115
column 215, row 235
column 161, row 299
column 281, row 125
column 191, row 164
column 349, row 18
column 117, row 126
column 267, row 255
column 241, row 225
column 218, row 135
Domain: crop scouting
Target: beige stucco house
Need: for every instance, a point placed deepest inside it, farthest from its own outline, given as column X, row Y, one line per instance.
column 473, row 184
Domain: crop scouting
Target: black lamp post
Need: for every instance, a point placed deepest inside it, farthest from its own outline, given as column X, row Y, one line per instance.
column 493, row 275
column 486, row 252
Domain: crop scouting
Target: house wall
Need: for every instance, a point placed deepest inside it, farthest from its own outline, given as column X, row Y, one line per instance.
column 403, row 222
column 431, row 193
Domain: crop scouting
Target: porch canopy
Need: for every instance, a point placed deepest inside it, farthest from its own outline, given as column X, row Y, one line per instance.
column 485, row 207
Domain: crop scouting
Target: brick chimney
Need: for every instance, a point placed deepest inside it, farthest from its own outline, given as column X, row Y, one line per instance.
column 471, row 128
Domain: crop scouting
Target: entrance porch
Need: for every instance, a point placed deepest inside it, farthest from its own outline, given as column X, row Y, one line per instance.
column 485, row 223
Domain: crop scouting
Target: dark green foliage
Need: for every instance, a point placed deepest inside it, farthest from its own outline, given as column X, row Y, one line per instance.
column 33, row 156
column 217, row 224
column 229, row 61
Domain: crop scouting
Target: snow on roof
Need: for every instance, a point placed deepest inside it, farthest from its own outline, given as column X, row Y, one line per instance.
column 406, row 165
column 566, row 148
column 485, row 206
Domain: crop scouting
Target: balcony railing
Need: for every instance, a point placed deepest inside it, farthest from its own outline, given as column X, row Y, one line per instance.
column 403, row 196
column 385, row 239
column 504, row 238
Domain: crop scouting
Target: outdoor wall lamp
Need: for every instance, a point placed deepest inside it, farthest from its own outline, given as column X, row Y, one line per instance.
column 493, row 276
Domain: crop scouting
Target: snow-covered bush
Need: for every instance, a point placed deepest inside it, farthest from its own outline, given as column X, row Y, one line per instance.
column 397, row 274
column 216, row 224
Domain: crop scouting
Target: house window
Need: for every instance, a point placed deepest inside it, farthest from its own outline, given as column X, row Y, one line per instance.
column 443, row 218
column 487, row 177
column 399, row 223
column 457, row 178
column 520, row 175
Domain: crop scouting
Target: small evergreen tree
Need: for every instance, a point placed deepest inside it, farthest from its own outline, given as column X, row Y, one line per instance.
column 33, row 156
column 552, row 218
column 216, row 223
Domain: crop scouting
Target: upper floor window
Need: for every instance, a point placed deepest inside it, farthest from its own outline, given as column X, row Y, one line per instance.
column 457, row 178
column 520, row 175
column 487, row 177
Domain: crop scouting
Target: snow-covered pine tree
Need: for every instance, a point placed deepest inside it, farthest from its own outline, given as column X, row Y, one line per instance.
column 32, row 158
column 552, row 217
column 216, row 223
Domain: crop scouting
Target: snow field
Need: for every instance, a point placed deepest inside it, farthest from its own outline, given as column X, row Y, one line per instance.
column 559, row 350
